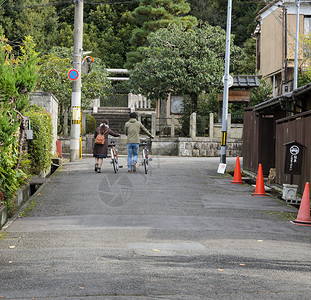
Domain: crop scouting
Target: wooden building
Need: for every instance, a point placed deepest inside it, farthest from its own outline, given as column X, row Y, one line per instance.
column 275, row 34
column 270, row 125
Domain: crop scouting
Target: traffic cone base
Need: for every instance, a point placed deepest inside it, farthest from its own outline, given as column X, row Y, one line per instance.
column 260, row 186
column 303, row 217
column 237, row 178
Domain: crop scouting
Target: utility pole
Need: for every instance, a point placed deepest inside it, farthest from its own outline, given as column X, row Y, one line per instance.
column 76, row 85
column 285, row 48
column 226, row 88
column 296, row 45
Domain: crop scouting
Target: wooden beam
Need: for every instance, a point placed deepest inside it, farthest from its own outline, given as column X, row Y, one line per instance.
column 237, row 96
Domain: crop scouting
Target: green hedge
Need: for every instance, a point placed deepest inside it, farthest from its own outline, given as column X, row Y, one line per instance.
column 11, row 179
column 36, row 159
column 40, row 148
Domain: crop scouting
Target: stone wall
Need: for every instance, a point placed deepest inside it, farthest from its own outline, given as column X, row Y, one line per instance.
column 235, row 131
column 165, row 146
column 208, row 147
column 201, row 146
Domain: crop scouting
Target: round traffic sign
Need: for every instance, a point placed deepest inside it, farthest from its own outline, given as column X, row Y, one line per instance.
column 73, row 74
column 230, row 80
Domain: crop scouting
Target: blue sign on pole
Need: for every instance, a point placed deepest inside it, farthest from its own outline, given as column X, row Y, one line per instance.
column 73, row 74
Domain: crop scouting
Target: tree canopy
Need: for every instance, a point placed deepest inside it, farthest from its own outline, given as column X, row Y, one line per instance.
column 152, row 15
column 183, row 62
column 114, row 31
column 215, row 13
column 53, row 78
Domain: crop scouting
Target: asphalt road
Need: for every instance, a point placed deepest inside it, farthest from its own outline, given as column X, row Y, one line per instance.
column 180, row 232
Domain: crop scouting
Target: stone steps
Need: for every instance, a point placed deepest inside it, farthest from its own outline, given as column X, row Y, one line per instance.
column 117, row 117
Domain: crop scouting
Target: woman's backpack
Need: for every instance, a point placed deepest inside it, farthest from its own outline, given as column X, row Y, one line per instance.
column 100, row 139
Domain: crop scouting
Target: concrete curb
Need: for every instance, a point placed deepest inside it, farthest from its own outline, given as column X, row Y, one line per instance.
column 7, row 221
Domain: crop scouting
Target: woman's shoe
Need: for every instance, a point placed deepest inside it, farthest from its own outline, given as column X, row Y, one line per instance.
column 96, row 167
column 98, row 170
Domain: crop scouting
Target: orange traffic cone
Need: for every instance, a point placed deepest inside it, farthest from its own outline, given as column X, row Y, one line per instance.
column 237, row 178
column 303, row 217
column 260, row 186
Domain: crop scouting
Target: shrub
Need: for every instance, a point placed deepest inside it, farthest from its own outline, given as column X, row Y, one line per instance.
column 40, row 148
column 90, row 124
column 18, row 73
column 10, row 178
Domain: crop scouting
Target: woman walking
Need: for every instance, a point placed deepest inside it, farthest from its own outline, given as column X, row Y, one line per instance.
column 100, row 150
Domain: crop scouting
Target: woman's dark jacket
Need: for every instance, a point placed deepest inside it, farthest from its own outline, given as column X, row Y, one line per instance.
column 102, row 150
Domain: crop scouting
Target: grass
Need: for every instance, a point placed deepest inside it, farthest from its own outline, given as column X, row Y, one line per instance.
column 30, row 206
column 281, row 215
column 3, row 235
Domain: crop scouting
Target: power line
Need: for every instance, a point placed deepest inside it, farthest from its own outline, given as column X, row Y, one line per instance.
column 21, row 7
column 2, row 2
column 111, row 3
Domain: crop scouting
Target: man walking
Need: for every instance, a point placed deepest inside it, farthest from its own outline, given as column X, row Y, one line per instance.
column 132, row 130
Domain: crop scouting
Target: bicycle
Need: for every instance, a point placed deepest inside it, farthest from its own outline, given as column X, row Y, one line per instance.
column 114, row 155
column 145, row 154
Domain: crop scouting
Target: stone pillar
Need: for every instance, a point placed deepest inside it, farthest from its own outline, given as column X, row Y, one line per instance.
column 83, row 123
column 172, row 126
column 66, row 122
column 193, row 125
column 129, row 100
column 229, row 126
column 211, row 125
column 153, row 124
column 96, row 104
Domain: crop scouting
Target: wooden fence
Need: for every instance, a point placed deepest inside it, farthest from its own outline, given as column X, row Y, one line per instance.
column 295, row 128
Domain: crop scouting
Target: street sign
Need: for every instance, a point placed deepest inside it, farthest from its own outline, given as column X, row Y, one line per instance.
column 222, row 168
column 293, row 158
column 230, row 81
column 73, row 74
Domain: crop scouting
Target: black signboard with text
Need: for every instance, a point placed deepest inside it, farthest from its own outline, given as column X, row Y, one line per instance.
column 293, row 158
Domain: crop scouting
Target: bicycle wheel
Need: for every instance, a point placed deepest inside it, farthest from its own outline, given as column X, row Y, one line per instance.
column 115, row 162
column 145, row 161
column 115, row 165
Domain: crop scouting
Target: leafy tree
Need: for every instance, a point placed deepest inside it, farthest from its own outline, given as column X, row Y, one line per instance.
column 53, row 78
column 20, row 18
column 152, row 15
column 304, row 76
column 248, row 65
column 261, row 93
column 107, row 32
column 183, row 62
column 215, row 13
column 107, row 28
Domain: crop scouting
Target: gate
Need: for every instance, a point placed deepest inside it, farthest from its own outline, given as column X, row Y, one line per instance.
column 114, row 97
